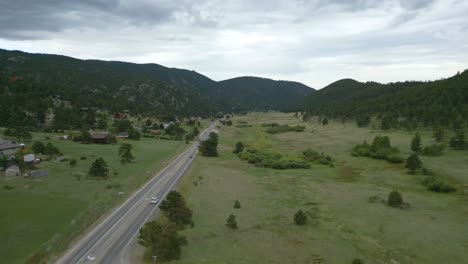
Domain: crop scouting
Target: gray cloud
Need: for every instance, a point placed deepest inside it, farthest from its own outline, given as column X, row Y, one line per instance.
column 312, row 41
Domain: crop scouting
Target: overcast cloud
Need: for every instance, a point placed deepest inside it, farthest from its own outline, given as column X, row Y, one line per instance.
column 315, row 42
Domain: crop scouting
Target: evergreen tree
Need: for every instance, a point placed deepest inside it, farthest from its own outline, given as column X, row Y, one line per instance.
column 231, row 222
column 38, row 147
column 239, row 148
column 439, row 134
column 209, row 147
column 125, row 153
column 72, row 163
column 51, row 150
column 98, row 168
column 395, row 199
column 416, row 143
column 163, row 239
column 300, row 218
column 324, row 122
column 237, row 204
column 413, row 163
column 175, row 209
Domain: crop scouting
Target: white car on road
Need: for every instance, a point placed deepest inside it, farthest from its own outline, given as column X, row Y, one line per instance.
column 154, row 200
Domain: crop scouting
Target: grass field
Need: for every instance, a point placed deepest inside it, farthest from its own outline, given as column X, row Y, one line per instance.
column 343, row 224
column 48, row 213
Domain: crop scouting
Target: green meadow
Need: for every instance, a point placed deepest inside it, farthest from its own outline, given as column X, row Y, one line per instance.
column 47, row 214
column 343, row 223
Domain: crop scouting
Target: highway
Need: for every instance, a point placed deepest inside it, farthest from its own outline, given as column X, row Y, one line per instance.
column 110, row 240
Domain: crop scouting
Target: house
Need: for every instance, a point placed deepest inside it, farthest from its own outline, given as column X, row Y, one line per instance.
column 29, row 158
column 8, row 147
column 155, row 132
column 100, row 137
column 122, row 135
column 64, row 137
column 12, row 171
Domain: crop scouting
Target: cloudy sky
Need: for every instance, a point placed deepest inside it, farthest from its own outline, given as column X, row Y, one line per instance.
column 315, row 42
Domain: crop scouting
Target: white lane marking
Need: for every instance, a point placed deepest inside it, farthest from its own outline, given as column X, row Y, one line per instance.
column 152, row 211
column 118, row 209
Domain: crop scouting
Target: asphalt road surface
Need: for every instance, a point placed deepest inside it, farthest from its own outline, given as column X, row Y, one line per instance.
column 110, row 240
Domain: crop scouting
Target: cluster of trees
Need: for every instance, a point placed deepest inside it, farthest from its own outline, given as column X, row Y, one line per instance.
column 192, row 135
column 313, row 156
column 284, row 128
column 126, row 126
column 269, row 159
column 18, row 133
column 379, row 149
column 162, row 237
column 48, row 149
column 397, row 105
column 209, row 147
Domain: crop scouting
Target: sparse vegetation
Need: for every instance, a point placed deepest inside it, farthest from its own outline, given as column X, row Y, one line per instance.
column 284, row 128
column 300, row 218
column 270, row 159
column 380, row 149
column 231, row 222
column 395, row 199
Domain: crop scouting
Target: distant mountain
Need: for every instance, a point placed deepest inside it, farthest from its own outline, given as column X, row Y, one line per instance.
column 30, row 82
column 264, row 94
column 432, row 103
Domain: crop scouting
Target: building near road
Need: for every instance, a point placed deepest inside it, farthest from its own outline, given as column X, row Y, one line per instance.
column 100, row 137
column 155, row 132
column 8, row 147
column 122, row 135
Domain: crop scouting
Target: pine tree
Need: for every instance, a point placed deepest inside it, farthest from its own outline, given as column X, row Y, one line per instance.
column 300, row 218
column 125, row 153
column 175, row 209
column 416, row 143
column 413, row 163
column 439, row 134
column 98, row 168
column 458, row 141
column 231, row 222
column 239, row 148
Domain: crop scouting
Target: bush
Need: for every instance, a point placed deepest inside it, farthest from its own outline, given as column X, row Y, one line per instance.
column 437, row 185
column 434, row 150
column 313, row 156
column 380, row 149
column 357, row 261
column 395, row 199
column 300, row 218
column 237, row 204
column 83, row 158
column 8, row 187
column 268, row 159
column 231, row 222
column 284, row 128
column 38, row 147
column 270, row 124
column 72, row 162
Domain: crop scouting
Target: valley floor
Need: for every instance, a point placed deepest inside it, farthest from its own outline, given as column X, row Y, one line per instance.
column 48, row 213
column 343, row 224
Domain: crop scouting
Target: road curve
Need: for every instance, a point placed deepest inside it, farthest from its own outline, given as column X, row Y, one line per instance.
column 108, row 242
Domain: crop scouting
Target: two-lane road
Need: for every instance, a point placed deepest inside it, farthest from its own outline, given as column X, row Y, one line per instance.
column 109, row 241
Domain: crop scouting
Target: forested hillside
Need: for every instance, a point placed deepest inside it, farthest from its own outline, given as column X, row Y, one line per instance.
column 401, row 104
column 250, row 93
column 33, row 84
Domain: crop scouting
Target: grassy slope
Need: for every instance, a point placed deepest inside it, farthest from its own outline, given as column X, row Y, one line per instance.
column 343, row 225
column 50, row 211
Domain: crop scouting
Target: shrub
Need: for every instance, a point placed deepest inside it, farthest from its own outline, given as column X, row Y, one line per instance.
column 72, row 162
column 231, row 222
column 284, row 128
column 313, row 156
column 437, row 185
column 38, row 147
column 357, row 261
column 380, row 149
column 237, row 204
column 8, row 187
column 300, row 218
column 434, row 150
column 83, row 158
column 270, row 124
column 268, row 159
column 239, row 148
column 395, row 199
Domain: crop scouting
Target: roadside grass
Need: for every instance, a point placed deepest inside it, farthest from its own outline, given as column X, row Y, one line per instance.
column 343, row 224
column 47, row 214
